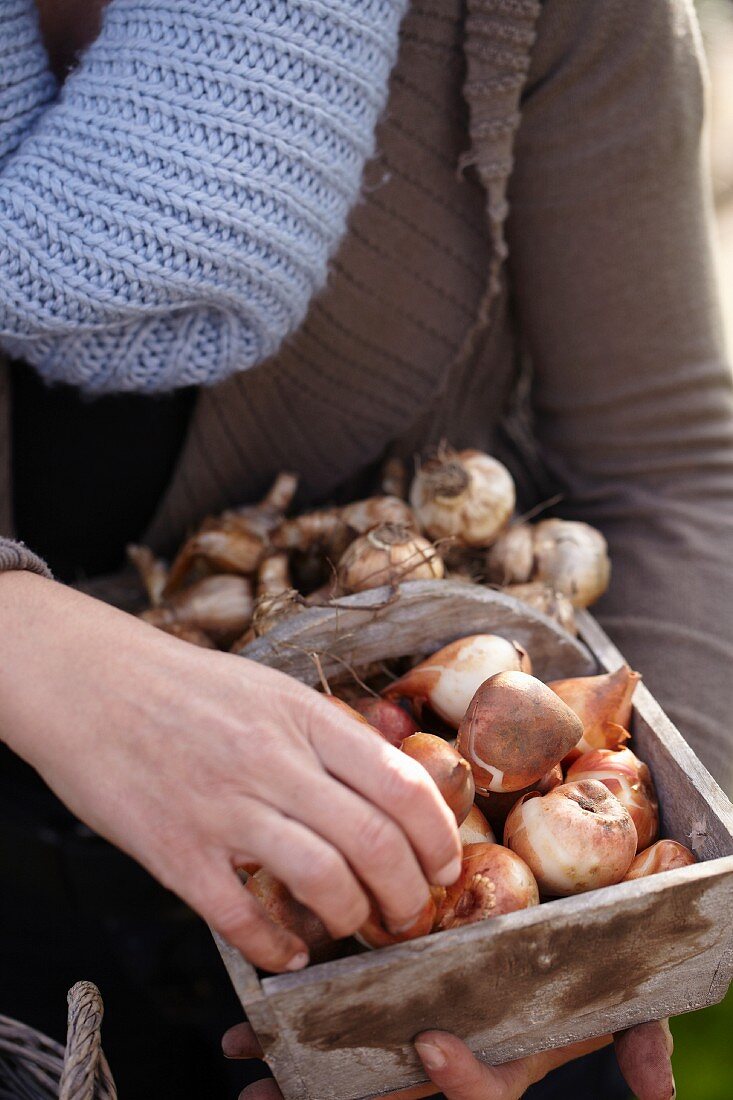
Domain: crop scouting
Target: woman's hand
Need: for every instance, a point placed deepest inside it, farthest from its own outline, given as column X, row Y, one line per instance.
column 195, row 762
column 644, row 1055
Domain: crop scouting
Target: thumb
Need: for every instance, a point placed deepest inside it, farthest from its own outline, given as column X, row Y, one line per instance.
column 453, row 1068
column 644, row 1056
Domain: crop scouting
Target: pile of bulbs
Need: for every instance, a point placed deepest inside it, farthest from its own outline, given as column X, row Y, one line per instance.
column 244, row 571
column 546, row 766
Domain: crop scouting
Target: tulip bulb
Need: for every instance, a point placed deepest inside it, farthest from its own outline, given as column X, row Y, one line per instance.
column 514, row 731
column 467, row 496
column 449, row 679
column 629, row 779
column 493, row 881
column 576, row 838
column 573, row 559
column 548, row 602
column 511, row 559
column 665, row 855
column 221, row 606
column 496, row 807
column 389, row 719
column 283, row 909
column 388, row 554
column 603, row 704
column 373, row 932
column 475, row 829
column 447, row 768
column 333, row 529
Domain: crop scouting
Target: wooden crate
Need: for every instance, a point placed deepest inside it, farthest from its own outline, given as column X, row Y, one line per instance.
column 543, row 977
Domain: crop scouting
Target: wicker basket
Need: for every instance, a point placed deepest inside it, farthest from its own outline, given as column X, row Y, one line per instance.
column 33, row 1067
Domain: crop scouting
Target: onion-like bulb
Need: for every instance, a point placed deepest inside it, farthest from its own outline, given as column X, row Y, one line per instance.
column 496, row 807
column 576, row 838
column 629, row 779
column 447, row 769
column 511, row 559
column 493, row 881
column 283, row 909
column 221, row 606
column 573, row 559
column 389, row 719
column 514, row 731
column 388, row 554
column 665, row 855
column 468, row 496
column 548, row 602
column 475, row 829
column 603, row 704
column 333, row 529
column 373, row 932
column 449, row 679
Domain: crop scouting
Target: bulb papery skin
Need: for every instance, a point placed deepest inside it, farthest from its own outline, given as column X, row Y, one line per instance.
column 283, row 909
column 373, row 933
column 388, row 555
column 572, row 558
column 475, row 829
column 514, row 732
column 665, row 855
column 389, row 719
column 449, row 679
column 447, row 768
column 468, row 497
column 496, row 807
column 547, row 601
column 603, row 704
column 511, row 559
column 220, row 605
column 493, row 881
column 629, row 779
column 576, row 838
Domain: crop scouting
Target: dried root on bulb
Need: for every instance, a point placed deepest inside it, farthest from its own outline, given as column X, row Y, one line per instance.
column 463, row 495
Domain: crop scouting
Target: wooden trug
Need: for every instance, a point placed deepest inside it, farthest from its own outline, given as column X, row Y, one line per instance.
column 543, row 977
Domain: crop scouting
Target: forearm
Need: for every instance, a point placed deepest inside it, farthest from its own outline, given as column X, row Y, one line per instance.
column 168, row 220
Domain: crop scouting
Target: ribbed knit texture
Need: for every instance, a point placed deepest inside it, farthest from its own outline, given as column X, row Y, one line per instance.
column 167, row 221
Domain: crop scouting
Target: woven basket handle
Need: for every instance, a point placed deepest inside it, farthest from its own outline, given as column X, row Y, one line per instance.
column 86, row 1075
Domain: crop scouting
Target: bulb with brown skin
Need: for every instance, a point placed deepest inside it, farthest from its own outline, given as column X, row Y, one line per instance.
column 545, row 600
column 333, row 529
column 576, row 838
column 284, row 910
column 448, row 680
column 394, row 723
column 493, row 881
column 629, row 779
column 475, row 829
column 373, row 932
column 603, row 704
column 496, row 807
column 466, row 495
column 221, row 606
column 510, row 560
column 665, row 855
column 446, row 767
column 514, row 731
column 388, row 555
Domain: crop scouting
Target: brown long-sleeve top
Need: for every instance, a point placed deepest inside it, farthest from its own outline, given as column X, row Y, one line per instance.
column 529, row 271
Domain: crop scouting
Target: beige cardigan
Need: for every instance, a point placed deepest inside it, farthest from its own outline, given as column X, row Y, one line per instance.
column 536, row 225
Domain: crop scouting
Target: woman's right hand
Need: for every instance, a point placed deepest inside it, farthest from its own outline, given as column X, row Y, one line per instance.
column 195, row 762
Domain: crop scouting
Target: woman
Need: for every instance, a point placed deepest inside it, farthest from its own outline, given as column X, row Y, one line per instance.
column 165, row 221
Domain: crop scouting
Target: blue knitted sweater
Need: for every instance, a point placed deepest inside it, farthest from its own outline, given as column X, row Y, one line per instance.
column 167, row 215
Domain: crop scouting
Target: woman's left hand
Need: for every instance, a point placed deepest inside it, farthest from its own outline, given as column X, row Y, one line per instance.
column 644, row 1055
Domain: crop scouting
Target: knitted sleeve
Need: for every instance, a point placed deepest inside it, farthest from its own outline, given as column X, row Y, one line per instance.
column 26, row 85
column 167, row 219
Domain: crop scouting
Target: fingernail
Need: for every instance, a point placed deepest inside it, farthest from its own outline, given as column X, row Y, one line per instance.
column 431, row 1055
column 447, row 875
column 298, row 961
column 398, row 929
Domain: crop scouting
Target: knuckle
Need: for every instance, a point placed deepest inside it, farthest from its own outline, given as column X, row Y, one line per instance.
column 406, row 785
column 379, row 840
column 320, row 874
column 233, row 918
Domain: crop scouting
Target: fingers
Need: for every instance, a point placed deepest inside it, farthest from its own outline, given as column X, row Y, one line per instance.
column 311, row 868
column 461, row 1076
column 644, row 1055
column 397, row 785
column 216, row 893
column 240, row 1041
column 262, row 1090
column 375, row 847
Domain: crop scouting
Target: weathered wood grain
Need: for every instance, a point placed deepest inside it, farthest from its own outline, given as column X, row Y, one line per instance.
column 419, row 618
column 564, row 971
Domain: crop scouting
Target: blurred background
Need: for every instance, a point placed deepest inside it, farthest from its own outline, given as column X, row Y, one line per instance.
column 704, row 1040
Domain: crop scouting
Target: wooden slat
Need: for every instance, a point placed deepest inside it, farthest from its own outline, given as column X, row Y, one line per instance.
column 420, row 618
column 546, row 977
